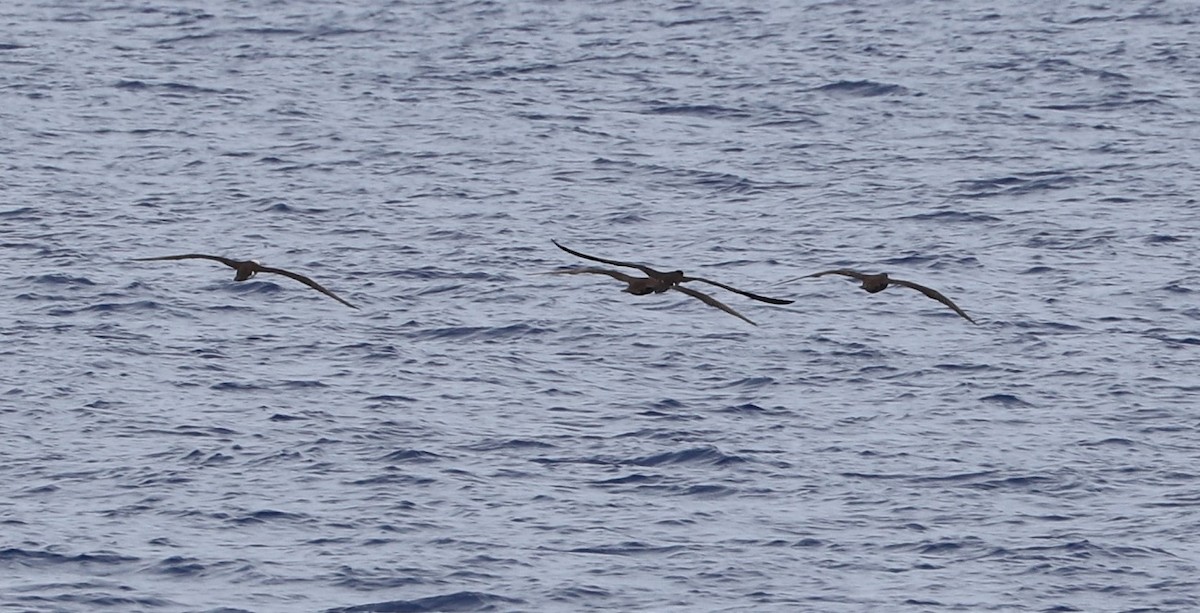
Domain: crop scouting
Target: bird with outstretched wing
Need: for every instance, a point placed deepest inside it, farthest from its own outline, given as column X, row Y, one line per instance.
column 640, row 286
column 248, row 268
column 874, row 283
column 674, row 277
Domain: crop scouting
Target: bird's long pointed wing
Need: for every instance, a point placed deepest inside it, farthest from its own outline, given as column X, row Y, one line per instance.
column 932, row 293
column 305, row 280
column 838, row 271
column 845, row 272
column 740, row 291
column 710, row 301
column 642, row 267
column 193, row 256
column 620, row 276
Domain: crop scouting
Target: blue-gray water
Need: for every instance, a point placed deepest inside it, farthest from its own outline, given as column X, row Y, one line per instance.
column 481, row 437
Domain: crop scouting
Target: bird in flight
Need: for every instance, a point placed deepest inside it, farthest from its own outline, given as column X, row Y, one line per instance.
column 640, row 286
column 879, row 282
column 248, row 268
column 671, row 279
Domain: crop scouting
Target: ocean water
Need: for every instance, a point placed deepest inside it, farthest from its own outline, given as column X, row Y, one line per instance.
column 480, row 436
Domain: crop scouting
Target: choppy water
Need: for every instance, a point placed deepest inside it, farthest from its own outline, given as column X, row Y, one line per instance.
column 479, row 437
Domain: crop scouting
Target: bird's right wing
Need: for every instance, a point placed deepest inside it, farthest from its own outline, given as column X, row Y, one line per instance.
column 192, row 256
column 642, row 267
column 591, row 270
column 837, row 271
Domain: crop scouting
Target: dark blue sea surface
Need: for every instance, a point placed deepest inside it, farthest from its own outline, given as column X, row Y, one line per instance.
column 480, row 436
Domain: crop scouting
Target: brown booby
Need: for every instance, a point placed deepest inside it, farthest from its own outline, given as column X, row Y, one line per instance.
column 248, row 268
column 671, row 279
column 879, row 282
column 640, row 286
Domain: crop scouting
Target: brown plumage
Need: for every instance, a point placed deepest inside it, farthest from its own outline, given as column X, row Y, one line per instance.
column 673, row 278
column 248, row 268
column 640, row 286
column 879, row 282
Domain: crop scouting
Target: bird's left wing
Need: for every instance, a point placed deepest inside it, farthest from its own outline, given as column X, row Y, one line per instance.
column 932, row 293
column 710, row 301
column 740, row 291
column 305, row 280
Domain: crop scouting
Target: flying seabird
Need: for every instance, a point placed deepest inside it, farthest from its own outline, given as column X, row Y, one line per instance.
column 640, row 286
column 248, row 268
column 673, row 278
column 879, row 282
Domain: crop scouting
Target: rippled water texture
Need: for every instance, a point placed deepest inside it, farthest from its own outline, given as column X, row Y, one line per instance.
column 483, row 437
